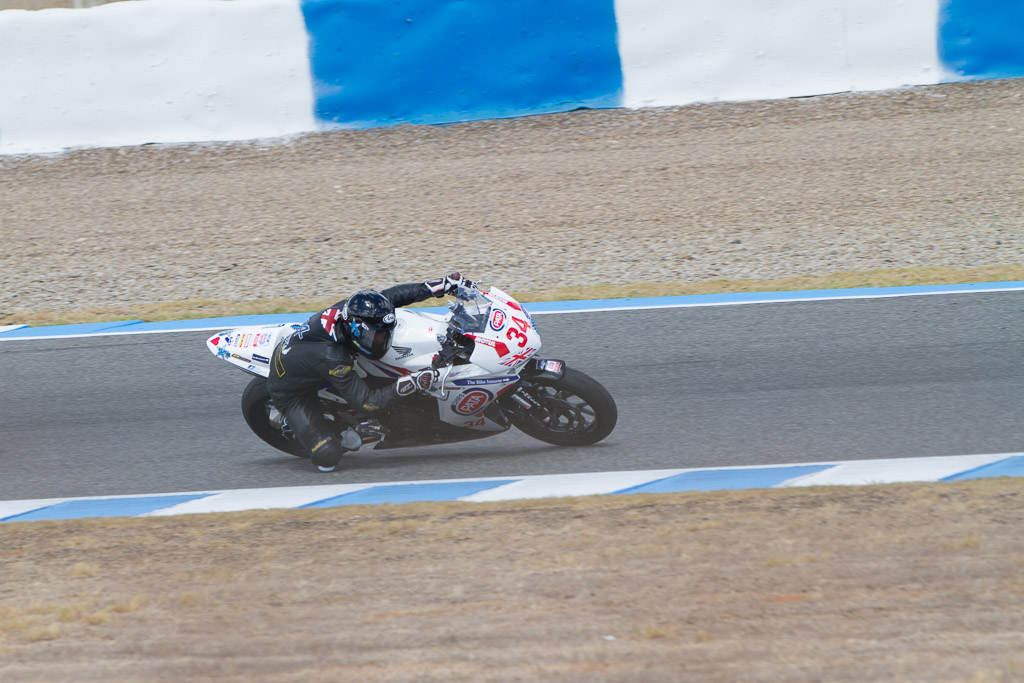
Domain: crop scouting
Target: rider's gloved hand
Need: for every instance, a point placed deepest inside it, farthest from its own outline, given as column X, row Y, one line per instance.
column 427, row 380
column 447, row 284
column 424, row 380
column 452, row 281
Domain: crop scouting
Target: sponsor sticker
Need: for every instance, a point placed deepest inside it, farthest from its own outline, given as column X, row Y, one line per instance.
column 260, row 359
column 498, row 320
column 505, row 300
column 472, row 401
column 499, row 347
column 551, row 365
column 478, row 381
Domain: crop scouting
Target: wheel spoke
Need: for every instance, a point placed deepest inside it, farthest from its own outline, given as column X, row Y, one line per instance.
column 567, row 412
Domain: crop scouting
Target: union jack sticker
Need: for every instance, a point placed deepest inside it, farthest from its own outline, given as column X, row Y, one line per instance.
column 518, row 358
column 329, row 320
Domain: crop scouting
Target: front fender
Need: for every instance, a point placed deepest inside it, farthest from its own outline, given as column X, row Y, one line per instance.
column 543, row 369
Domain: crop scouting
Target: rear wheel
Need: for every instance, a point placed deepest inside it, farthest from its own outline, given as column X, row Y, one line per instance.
column 574, row 410
column 266, row 421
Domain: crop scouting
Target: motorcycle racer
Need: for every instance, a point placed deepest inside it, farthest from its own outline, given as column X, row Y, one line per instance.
column 324, row 350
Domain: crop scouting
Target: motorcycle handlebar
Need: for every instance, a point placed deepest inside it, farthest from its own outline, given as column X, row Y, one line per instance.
column 454, row 343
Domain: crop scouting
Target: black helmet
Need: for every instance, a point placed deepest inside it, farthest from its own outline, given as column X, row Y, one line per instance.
column 368, row 319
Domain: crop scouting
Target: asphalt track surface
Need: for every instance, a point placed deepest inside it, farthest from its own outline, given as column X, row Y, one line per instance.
column 696, row 387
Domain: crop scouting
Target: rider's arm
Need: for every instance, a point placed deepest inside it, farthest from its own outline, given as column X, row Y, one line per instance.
column 356, row 392
column 403, row 295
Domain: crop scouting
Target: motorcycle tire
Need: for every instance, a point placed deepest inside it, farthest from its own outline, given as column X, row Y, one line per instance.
column 577, row 411
column 257, row 409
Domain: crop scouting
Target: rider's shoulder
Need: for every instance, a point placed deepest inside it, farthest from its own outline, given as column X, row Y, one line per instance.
column 338, row 353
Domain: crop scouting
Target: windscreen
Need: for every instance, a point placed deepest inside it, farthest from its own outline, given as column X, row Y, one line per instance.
column 470, row 311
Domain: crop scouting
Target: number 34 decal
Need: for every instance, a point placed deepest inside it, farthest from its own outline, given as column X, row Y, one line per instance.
column 517, row 335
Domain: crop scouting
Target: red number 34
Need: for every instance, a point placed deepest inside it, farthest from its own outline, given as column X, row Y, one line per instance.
column 519, row 335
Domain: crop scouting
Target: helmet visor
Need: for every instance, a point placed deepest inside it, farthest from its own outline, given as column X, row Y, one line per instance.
column 374, row 340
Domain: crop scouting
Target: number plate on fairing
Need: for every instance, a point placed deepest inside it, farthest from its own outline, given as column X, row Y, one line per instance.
column 510, row 337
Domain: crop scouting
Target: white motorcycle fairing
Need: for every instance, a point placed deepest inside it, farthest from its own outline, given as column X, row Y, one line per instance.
column 484, row 350
column 505, row 339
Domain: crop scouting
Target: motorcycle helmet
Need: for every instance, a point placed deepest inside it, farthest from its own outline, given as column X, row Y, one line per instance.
column 368, row 321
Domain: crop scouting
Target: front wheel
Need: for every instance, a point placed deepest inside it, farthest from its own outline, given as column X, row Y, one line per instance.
column 574, row 410
column 266, row 421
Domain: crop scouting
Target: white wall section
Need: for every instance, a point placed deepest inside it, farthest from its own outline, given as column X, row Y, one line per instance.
column 892, row 43
column 158, row 71
column 710, row 50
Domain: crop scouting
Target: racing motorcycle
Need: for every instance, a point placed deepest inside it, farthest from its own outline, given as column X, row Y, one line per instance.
column 490, row 379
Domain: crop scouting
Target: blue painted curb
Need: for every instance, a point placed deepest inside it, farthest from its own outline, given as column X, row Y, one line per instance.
column 104, row 507
column 714, row 480
column 535, row 308
column 845, row 473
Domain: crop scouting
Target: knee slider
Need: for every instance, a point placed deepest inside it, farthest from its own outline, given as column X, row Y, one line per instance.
column 326, row 452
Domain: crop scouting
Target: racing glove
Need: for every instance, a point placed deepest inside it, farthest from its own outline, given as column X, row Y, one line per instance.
column 424, row 380
column 447, row 284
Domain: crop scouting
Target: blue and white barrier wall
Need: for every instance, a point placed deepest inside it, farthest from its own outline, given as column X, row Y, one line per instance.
column 199, row 70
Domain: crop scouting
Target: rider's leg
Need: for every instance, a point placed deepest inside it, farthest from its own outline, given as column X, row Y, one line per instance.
column 314, row 431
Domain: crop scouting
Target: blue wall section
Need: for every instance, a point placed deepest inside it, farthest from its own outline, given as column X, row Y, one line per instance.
column 378, row 62
column 982, row 38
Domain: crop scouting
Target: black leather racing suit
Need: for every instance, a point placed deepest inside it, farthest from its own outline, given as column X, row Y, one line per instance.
column 308, row 358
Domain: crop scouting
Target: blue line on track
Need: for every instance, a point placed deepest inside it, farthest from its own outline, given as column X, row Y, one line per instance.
column 537, row 308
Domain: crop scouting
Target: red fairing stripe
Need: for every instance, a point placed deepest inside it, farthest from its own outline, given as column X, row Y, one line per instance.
column 391, row 370
column 499, row 347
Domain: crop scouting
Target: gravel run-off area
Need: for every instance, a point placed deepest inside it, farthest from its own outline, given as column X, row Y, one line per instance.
column 853, row 584
column 923, row 176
